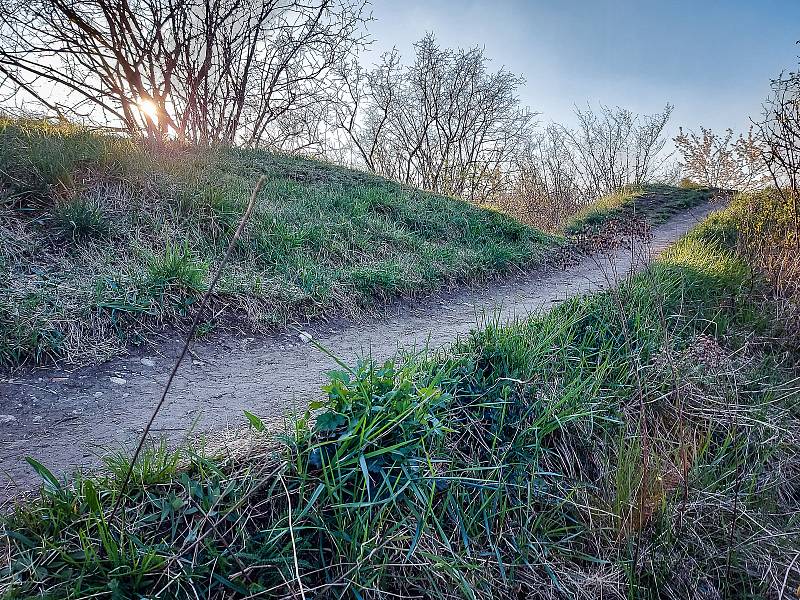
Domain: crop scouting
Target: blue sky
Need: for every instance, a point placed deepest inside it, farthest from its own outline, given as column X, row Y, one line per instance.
column 712, row 59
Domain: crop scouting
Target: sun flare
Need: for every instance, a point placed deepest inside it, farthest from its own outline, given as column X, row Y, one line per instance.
column 149, row 109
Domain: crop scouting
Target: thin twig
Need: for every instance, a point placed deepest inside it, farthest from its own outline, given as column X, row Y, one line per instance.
column 786, row 577
column 294, row 545
column 189, row 335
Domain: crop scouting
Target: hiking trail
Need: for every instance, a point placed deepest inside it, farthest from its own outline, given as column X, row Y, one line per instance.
column 68, row 419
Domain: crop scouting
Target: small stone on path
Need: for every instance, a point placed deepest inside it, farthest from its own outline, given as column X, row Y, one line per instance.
column 118, row 380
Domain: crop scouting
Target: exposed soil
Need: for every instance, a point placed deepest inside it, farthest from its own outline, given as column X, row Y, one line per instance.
column 66, row 419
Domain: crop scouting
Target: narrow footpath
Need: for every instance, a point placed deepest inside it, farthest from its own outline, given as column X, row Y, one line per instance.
column 67, row 420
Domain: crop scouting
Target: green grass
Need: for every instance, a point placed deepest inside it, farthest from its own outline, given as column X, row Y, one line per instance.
column 89, row 222
column 78, row 220
column 653, row 204
column 96, row 232
column 638, row 443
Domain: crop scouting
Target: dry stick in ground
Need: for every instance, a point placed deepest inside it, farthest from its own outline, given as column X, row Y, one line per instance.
column 615, row 293
column 294, row 544
column 736, row 491
column 189, row 335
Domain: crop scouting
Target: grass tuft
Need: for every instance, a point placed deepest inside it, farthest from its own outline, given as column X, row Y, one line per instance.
column 78, row 220
column 175, row 267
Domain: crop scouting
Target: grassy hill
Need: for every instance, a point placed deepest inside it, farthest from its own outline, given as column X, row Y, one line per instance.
column 641, row 442
column 653, row 204
column 106, row 239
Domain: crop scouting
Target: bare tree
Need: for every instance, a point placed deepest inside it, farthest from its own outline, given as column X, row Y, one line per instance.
column 444, row 123
column 722, row 161
column 561, row 169
column 780, row 131
column 210, row 71
column 614, row 147
column 365, row 101
column 544, row 189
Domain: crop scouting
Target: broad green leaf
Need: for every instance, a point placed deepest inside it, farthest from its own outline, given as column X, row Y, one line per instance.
column 329, row 421
column 255, row 421
column 50, row 480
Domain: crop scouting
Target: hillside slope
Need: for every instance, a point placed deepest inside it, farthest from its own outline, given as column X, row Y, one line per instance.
column 104, row 240
column 653, row 204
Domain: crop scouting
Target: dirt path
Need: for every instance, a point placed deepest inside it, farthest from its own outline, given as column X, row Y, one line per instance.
column 65, row 419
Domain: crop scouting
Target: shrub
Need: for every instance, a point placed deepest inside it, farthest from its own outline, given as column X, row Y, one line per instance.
column 688, row 184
